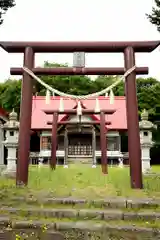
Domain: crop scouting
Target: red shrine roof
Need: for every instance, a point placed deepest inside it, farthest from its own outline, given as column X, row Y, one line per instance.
column 39, row 118
column 3, row 114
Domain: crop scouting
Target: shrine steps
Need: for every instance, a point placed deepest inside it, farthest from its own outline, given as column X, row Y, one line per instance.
column 82, row 214
column 77, row 159
column 112, row 218
column 79, row 229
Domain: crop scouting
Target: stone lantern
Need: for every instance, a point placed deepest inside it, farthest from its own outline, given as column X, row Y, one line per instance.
column 11, row 143
column 146, row 128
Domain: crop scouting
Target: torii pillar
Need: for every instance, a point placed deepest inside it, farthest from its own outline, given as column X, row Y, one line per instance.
column 25, row 120
column 133, row 121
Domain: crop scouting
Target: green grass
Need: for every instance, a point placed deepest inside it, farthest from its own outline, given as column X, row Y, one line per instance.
column 81, row 181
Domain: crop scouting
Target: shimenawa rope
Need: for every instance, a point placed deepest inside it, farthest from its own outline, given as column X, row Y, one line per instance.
column 93, row 95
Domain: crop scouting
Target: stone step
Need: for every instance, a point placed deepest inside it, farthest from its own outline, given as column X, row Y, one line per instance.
column 82, row 214
column 113, row 203
column 87, row 160
column 84, row 230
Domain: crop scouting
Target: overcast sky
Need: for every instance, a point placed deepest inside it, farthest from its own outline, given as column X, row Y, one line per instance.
column 85, row 20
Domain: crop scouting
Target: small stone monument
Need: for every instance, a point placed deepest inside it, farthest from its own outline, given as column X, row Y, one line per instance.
column 11, row 143
column 146, row 128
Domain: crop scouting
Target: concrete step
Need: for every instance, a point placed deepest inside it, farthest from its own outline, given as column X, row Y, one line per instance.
column 84, row 230
column 108, row 203
column 82, row 214
column 82, row 160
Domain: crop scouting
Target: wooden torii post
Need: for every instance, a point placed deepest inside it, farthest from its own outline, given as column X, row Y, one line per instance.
column 127, row 48
column 102, row 122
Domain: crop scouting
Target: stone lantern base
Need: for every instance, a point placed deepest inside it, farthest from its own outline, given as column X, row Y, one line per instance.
column 146, row 167
column 145, row 157
column 9, row 174
column 10, row 171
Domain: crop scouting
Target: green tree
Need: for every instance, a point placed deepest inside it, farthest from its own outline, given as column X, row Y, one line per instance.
column 4, row 6
column 102, row 82
column 10, row 95
column 78, row 85
column 154, row 16
column 148, row 94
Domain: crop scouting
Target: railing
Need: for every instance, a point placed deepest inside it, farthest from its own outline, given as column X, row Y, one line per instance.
column 36, row 157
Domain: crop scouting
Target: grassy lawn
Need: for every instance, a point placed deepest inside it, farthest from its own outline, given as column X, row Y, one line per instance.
column 81, row 181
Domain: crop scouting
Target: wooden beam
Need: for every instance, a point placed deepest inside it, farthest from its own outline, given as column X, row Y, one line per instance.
column 66, row 47
column 79, row 123
column 84, row 111
column 78, row 71
column 103, row 141
column 54, row 141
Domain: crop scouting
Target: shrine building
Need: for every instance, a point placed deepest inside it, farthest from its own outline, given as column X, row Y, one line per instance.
column 78, row 142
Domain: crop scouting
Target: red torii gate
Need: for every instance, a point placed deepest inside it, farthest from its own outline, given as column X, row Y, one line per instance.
column 128, row 48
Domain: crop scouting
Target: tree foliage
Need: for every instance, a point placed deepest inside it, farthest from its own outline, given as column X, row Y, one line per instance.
column 154, row 16
column 4, row 6
column 75, row 84
column 10, row 95
column 148, row 95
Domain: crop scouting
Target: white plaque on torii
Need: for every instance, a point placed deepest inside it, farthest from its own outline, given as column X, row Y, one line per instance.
column 79, row 59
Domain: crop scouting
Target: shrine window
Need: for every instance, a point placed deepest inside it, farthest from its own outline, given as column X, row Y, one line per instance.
column 46, row 143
